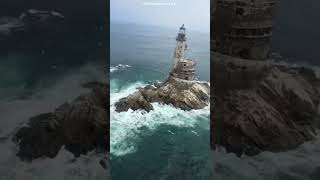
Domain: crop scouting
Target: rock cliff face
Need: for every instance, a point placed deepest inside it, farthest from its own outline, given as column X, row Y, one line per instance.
column 185, row 95
column 81, row 126
column 278, row 114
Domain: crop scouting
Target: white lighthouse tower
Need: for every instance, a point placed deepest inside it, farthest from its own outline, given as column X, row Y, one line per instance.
column 181, row 46
column 182, row 68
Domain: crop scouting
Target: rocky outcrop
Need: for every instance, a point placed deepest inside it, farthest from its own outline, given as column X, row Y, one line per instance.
column 29, row 21
column 85, row 10
column 58, row 33
column 39, row 20
column 183, row 94
column 80, row 126
column 278, row 114
column 32, row 25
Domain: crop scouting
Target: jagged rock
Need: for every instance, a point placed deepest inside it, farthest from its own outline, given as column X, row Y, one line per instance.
column 33, row 15
column 42, row 137
column 37, row 20
column 30, row 20
column 93, row 10
column 134, row 101
column 183, row 94
column 81, row 126
column 56, row 29
column 16, row 33
column 103, row 164
column 278, row 114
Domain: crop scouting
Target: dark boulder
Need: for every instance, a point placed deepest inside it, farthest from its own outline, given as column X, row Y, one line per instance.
column 134, row 101
column 43, row 136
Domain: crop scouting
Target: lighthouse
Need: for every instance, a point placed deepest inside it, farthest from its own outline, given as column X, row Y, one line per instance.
column 183, row 69
column 242, row 32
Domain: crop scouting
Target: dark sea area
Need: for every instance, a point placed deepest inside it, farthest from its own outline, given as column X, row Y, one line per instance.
column 296, row 31
column 39, row 72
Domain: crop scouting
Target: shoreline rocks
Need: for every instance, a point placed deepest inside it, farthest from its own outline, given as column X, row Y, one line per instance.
column 278, row 114
column 185, row 95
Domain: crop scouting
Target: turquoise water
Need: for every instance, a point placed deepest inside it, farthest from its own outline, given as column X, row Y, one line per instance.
column 167, row 143
column 172, row 144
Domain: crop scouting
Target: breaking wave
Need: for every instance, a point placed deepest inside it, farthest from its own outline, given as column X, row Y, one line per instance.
column 118, row 67
column 302, row 163
column 63, row 166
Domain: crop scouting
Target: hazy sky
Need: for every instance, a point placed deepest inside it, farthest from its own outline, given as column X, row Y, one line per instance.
column 195, row 14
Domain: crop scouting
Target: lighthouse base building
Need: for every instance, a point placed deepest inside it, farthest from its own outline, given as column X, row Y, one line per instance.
column 185, row 70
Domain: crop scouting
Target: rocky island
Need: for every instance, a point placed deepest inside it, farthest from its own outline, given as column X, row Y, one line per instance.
column 182, row 94
column 180, row 89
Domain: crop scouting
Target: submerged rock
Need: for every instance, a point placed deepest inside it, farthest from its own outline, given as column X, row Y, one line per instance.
column 38, row 20
column 18, row 32
column 28, row 21
column 80, row 126
column 182, row 94
column 278, row 114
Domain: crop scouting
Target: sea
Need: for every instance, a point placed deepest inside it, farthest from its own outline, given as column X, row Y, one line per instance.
column 36, row 81
column 166, row 143
column 169, row 143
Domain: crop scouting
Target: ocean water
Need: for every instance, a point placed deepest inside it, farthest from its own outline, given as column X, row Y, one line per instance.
column 167, row 143
column 302, row 163
column 172, row 144
column 30, row 84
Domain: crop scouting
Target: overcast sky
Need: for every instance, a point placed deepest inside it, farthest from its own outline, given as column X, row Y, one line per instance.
column 195, row 14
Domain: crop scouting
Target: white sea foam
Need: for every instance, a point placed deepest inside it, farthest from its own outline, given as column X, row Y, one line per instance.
column 126, row 126
column 118, row 67
column 63, row 166
column 299, row 163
